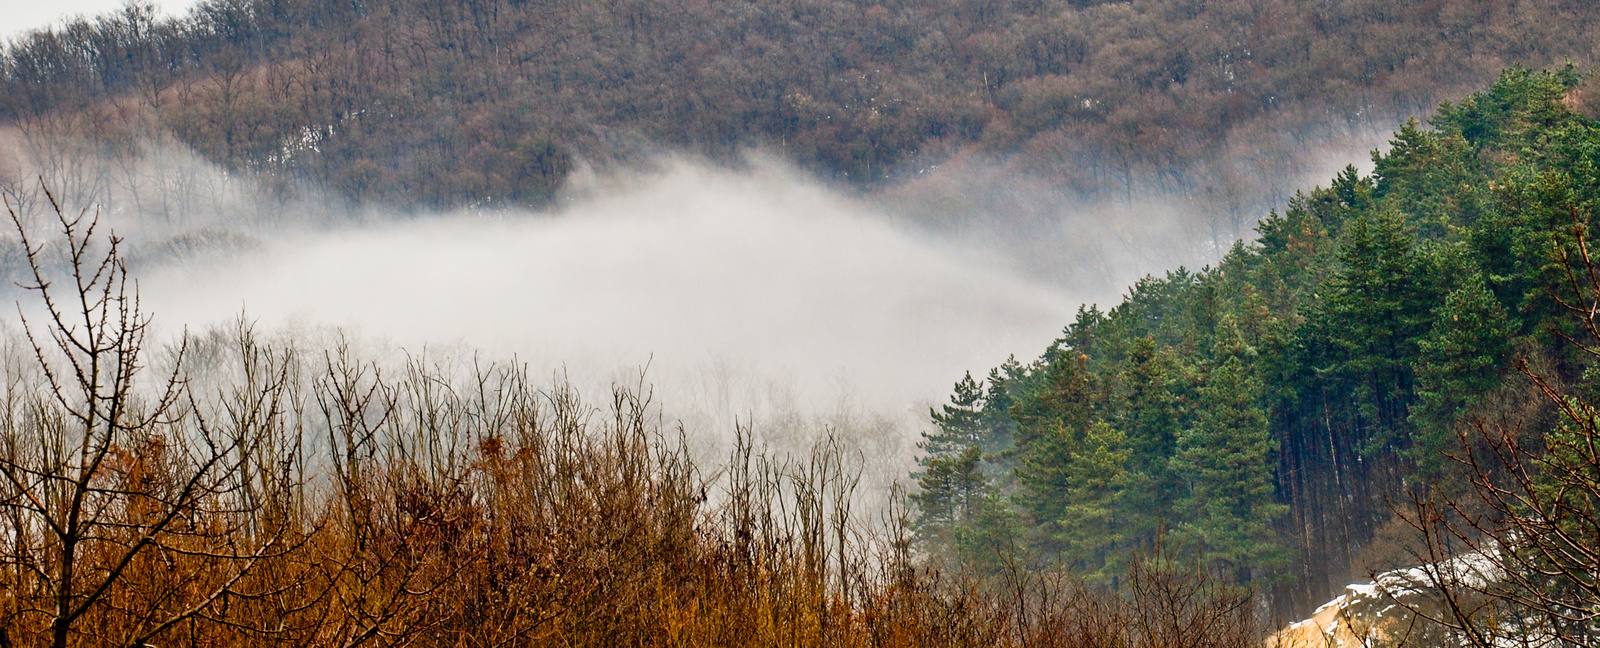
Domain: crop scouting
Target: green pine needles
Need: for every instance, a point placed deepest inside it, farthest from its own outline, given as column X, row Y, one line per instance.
column 1260, row 417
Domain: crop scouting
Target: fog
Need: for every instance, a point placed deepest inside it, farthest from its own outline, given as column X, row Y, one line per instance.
column 681, row 269
column 738, row 293
column 1098, row 243
column 752, row 295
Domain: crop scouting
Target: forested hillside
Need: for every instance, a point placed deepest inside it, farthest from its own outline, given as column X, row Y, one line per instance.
column 495, row 101
column 1266, row 417
column 1269, row 415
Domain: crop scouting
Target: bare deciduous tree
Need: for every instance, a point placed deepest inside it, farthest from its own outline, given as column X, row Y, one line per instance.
column 121, row 506
column 1516, row 560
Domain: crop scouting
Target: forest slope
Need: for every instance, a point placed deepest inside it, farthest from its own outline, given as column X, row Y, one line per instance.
column 1262, row 413
column 495, row 101
column 1271, row 415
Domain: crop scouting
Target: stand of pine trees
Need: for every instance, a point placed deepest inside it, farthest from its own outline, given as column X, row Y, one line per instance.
column 1266, row 416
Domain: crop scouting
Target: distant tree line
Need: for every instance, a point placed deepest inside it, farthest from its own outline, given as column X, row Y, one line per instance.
column 494, row 101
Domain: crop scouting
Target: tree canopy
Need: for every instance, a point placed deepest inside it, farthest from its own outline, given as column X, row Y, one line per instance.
column 1264, row 415
column 419, row 102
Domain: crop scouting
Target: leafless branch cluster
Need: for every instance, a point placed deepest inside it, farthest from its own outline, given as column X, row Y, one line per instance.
column 1516, row 560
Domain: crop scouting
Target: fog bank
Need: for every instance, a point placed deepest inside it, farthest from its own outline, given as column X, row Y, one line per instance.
column 690, row 270
column 752, row 293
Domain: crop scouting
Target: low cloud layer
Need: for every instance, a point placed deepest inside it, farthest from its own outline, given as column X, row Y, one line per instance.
column 753, row 295
column 684, row 269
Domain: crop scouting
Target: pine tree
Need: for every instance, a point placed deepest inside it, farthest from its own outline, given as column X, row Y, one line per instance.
column 1079, row 336
column 950, row 489
column 1152, row 416
column 1461, row 358
column 952, row 478
column 1005, row 384
column 1074, row 470
column 1151, row 409
column 1377, row 308
column 960, row 423
column 991, row 540
column 1098, row 517
column 1064, row 399
column 1051, row 424
column 1225, row 458
column 1353, row 190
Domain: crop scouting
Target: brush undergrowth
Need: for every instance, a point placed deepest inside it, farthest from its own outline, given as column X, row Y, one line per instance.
column 238, row 492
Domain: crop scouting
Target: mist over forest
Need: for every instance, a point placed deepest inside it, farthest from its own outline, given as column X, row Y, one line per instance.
column 802, row 322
